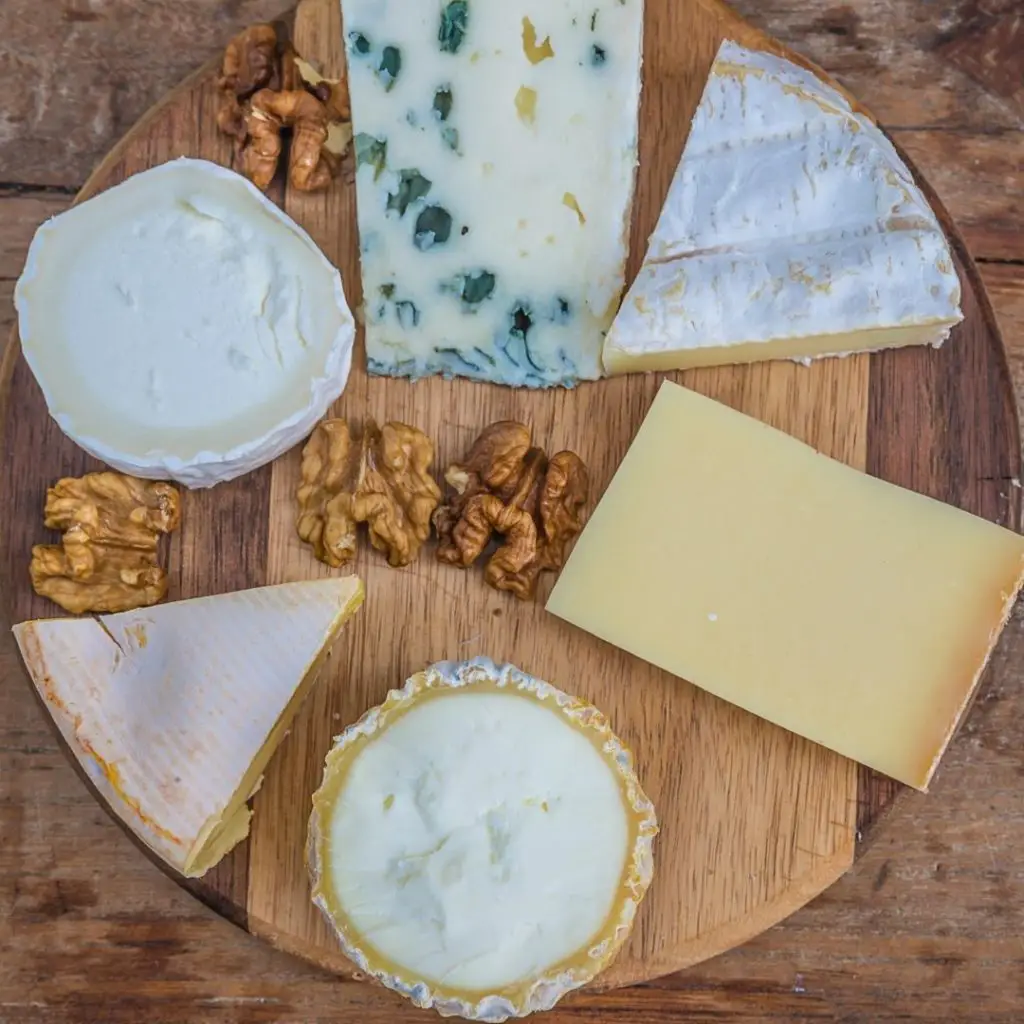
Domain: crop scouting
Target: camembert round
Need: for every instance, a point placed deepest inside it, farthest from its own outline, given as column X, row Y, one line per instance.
column 181, row 326
column 480, row 842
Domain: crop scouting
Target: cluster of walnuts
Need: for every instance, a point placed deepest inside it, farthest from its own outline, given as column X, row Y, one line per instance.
column 268, row 89
column 503, row 490
column 107, row 558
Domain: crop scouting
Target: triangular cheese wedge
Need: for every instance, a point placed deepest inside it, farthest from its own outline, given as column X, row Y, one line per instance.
column 174, row 711
column 792, row 229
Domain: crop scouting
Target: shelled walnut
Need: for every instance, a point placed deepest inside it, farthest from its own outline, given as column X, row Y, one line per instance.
column 269, row 90
column 383, row 481
column 107, row 559
column 505, row 486
column 251, row 62
column 325, row 495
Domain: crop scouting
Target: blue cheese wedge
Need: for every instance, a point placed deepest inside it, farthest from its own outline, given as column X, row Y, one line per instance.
column 792, row 230
column 480, row 842
column 181, row 326
column 496, row 146
column 174, row 711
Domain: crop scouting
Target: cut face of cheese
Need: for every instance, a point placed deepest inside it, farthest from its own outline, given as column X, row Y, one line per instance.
column 174, row 711
column 496, row 146
column 181, row 326
column 792, row 229
column 853, row 612
column 479, row 842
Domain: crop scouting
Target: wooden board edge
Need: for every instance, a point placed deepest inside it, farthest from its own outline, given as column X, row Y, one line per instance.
column 721, row 940
column 105, row 166
column 236, row 914
column 769, row 914
column 869, row 828
column 11, row 355
column 740, row 931
column 868, row 823
column 993, row 330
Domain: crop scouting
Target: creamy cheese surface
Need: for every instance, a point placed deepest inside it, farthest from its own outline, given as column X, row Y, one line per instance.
column 181, row 313
column 496, row 144
column 792, row 229
column 478, row 840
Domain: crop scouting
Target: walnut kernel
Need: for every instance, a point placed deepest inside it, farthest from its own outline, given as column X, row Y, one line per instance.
column 107, row 558
column 384, row 481
column 268, row 90
column 505, row 486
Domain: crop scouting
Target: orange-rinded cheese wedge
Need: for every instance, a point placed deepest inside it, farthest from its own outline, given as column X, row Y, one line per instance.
column 174, row 711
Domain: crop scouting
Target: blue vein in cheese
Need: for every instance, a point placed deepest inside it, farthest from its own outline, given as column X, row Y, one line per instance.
column 496, row 147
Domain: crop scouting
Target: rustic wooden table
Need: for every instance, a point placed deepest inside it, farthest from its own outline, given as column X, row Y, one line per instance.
column 929, row 924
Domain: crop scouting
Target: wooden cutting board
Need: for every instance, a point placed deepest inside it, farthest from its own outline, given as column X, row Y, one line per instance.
column 755, row 821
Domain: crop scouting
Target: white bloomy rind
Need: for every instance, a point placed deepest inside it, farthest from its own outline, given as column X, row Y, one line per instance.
column 792, row 229
column 466, row 922
column 181, row 326
column 174, row 711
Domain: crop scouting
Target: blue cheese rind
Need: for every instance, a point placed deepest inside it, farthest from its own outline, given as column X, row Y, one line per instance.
column 496, row 149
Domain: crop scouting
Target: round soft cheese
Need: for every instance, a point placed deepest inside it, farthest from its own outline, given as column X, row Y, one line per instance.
column 181, row 326
column 480, row 842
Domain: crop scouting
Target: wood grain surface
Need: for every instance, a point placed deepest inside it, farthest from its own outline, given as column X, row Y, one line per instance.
column 81, row 906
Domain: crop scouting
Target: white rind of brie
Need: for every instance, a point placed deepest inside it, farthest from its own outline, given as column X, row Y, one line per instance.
column 792, row 229
column 174, row 711
column 181, row 326
column 480, row 842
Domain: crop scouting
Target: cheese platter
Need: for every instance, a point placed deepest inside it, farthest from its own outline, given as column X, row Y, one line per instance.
column 907, row 383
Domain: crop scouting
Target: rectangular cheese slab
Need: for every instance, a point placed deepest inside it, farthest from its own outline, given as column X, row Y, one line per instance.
column 496, row 149
column 848, row 610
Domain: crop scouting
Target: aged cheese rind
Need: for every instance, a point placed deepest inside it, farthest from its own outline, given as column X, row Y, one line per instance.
column 174, row 711
column 397, row 786
column 792, row 229
column 181, row 326
column 515, row 140
column 853, row 612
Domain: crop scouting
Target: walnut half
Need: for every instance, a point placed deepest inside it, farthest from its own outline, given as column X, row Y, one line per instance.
column 505, row 486
column 325, row 494
column 383, row 481
column 107, row 559
column 267, row 91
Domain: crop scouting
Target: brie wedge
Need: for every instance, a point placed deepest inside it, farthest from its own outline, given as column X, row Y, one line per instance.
column 174, row 711
column 181, row 326
column 480, row 842
column 792, row 230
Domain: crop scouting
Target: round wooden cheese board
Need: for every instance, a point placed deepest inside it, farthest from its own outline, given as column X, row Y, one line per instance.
column 755, row 821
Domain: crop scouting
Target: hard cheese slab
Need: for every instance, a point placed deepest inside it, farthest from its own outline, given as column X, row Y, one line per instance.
column 794, row 586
